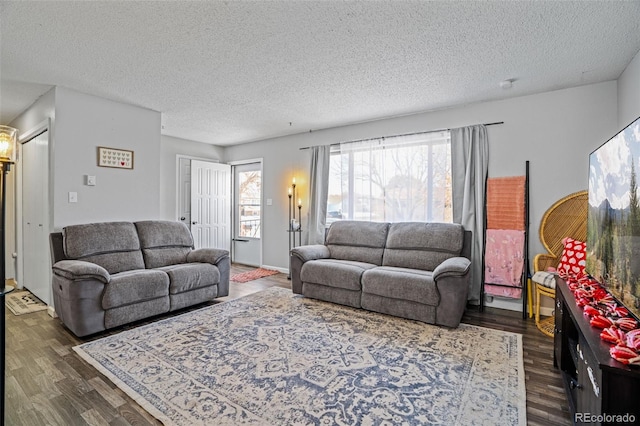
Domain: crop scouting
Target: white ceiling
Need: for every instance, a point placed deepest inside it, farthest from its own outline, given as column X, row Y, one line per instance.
column 231, row 72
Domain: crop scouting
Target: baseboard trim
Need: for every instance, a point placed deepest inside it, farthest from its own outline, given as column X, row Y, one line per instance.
column 546, row 311
column 52, row 312
column 514, row 305
column 276, row 268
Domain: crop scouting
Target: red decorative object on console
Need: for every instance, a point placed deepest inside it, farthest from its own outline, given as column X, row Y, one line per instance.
column 619, row 328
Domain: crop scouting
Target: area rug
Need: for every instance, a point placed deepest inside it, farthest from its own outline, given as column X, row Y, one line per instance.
column 252, row 275
column 23, row 302
column 274, row 358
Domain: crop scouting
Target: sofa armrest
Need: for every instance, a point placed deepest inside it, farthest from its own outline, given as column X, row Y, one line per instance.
column 452, row 279
column 75, row 270
column 297, row 258
column 311, row 252
column 219, row 258
column 207, row 255
column 452, row 267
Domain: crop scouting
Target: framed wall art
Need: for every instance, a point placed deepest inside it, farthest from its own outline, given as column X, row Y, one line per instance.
column 113, row 157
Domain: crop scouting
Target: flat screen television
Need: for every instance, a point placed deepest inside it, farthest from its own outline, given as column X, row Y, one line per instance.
column 613, row 224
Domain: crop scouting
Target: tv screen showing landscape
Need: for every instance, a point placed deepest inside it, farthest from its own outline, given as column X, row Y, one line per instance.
column 613, row 227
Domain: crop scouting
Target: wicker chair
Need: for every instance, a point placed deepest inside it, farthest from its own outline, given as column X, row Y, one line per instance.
column 567, row 217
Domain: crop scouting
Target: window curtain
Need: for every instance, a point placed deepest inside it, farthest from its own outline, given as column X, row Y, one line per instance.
column 470, row 161
column 318, row 192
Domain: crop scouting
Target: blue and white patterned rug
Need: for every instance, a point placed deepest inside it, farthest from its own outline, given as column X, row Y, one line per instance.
column 280, row 359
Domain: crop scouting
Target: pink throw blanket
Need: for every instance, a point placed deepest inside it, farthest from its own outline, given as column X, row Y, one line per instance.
column 504, row 262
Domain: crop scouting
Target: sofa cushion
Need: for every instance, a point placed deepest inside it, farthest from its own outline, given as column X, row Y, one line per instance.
column 341, row 296
column 112, row 245
column 357, row 241
column 193, row 297
column 421, row 245
column 401, row 283
column 128, row 313
column 334, row 273
column 164, row 243
column 190, row 276
column 136, row 286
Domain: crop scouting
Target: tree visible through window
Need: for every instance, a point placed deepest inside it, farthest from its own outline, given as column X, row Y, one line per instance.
column 250, row 187
column 394, row 179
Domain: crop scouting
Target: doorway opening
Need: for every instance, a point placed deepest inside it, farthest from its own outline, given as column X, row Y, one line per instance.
column 247, row 214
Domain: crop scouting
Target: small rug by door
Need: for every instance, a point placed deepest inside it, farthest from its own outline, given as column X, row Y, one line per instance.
column 22, row 302
column 275, row 358
column 252, row 275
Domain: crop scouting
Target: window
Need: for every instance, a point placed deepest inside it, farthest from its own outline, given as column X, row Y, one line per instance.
column 393, row 179
column 250, row 187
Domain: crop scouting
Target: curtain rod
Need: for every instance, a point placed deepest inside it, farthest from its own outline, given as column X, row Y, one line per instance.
column 405, row 134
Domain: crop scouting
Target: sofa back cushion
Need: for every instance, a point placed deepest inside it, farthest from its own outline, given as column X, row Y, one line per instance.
column 358, row 241
column 422, row 245
column 164, row 243
column 112, row 245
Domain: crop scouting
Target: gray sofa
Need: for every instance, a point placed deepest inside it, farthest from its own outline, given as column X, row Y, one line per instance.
column 113, row 273
column 413, row 270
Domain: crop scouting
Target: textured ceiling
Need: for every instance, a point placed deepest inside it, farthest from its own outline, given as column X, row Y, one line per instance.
column 232, row 72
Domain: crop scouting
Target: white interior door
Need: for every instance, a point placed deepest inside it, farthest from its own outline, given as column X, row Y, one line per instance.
column 247, row 222
column 211, row 204
column 35, row 217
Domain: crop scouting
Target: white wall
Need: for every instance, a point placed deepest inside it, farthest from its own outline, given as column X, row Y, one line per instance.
column 170, row 148
column 83, row 123
column 43, row 108
column 555, row 131
column 281, row 161
column 629, row 93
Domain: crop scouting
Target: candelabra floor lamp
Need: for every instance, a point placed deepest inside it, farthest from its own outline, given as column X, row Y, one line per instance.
column 295, row 226
column 8, row 138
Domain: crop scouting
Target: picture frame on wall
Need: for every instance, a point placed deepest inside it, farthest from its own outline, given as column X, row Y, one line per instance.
column 114, row 157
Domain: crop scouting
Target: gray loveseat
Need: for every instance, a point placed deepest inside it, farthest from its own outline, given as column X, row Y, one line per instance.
column 113, row 273
column 413, row 270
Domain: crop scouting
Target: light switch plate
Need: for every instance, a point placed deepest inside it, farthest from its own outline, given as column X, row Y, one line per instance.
column 91, row 180
column 73, row 197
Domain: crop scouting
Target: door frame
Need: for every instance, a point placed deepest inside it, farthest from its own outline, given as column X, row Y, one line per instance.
column 234, row 202
column 43, row 126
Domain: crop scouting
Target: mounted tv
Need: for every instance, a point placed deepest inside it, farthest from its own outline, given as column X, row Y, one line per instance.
column 613, row 224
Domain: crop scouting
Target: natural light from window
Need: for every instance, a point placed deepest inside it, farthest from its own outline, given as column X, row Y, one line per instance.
column 250, row 187
column 393, row 179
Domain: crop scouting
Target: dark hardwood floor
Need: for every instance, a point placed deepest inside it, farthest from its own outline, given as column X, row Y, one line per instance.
column 48, row 384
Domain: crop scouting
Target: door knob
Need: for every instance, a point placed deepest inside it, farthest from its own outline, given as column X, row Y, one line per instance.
column 183, row 218
column 194, row 223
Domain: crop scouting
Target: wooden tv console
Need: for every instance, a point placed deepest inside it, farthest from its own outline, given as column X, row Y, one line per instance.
column 600, row 390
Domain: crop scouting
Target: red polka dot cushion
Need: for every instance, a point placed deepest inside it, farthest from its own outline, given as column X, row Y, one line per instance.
column 573, row 258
